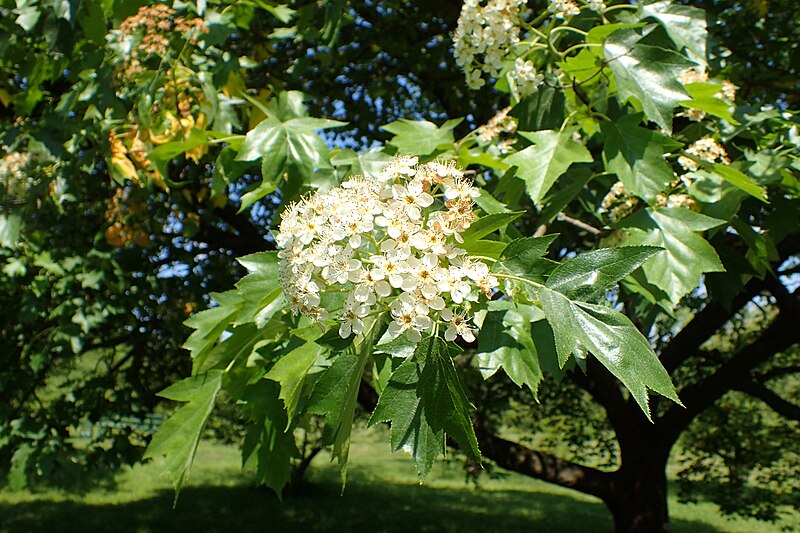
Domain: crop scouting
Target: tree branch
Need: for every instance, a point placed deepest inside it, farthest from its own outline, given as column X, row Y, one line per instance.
column 769, row 397
column 544, row 466
column 776, row 373
column 704, row 324
column 782, row 334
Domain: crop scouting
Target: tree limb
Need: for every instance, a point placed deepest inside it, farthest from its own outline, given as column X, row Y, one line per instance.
column 782, row 334
column 542, row 465
column 704, row 324
column 774, row 401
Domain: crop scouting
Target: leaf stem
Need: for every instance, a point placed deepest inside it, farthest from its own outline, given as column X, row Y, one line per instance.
column 517, row 278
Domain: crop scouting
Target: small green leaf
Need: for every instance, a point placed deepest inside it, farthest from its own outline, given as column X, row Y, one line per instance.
column 486, row 225
column 167, row 151
column 10, row 229
column 290, row 371
column 738, row 179
column 178, row 436
column 636, row 156
column 420, row 137
column 687, row 254
column 589, row 275
column 539, row 166
column 261, row 292
column 705, row 98
column 335, row 396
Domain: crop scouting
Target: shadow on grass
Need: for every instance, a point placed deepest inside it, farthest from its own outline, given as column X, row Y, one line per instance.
column 319, row 507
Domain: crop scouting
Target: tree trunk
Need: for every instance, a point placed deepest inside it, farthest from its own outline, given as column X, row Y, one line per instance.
column 638, row 500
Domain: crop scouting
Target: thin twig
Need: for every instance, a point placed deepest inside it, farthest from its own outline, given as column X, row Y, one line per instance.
column 578, row 223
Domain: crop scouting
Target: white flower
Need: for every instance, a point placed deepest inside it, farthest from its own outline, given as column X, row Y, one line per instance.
column 425, row 274
column 411, row 199
column 352, row 314
column 453, row 283
column 407, row 320
column 563, row 9
column 526, row 77
column 596, row 5
column 459, row 325
column 343, row 269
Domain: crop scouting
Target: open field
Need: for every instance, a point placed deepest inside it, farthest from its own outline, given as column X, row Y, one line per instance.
column 382, row 494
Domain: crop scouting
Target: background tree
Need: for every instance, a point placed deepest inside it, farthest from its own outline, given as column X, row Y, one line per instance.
column 104, row 271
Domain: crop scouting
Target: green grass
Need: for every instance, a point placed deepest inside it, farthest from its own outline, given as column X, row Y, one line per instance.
column 382, row 494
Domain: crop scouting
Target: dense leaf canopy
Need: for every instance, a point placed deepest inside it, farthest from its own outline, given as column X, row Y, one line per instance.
column 630, row 213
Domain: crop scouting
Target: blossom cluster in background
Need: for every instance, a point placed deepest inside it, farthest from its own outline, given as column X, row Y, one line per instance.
column 483, row 37
column 706, row 149
column 388, row 243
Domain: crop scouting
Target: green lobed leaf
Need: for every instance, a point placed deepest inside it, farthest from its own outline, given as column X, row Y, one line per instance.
column 687, row 255
column 260, row 290
column 178, row 436
column 266, row 442
column 524, row 257
column 589, row 275
column 737, row 178
column 209, row 325
column 285, row 140
column 647, row 73
column 486, row 225
column 420, row 137
column 240, row 342
column 367, row 163
column 543, row 110
column 335, row 396
column 401, row 405
column 571, row 186
column 636, row 156
column 685, row 25
column 291, row 370
column 446, row 405
column 540, row 165
column 613, row 339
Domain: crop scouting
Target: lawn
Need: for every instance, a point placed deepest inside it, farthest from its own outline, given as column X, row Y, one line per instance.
column 382, row 494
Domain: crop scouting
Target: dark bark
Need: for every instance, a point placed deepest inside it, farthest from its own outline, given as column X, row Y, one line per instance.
column 542, row 465
column 639, row 501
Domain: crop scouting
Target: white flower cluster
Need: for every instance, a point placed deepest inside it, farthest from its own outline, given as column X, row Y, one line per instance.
column 563, row 9
column 618, row 203
column 596, row 5
column 13, row 165
column 526, row 77
column 484, row 35
column 501, row 123
column 706, row 149
column 386, row 244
